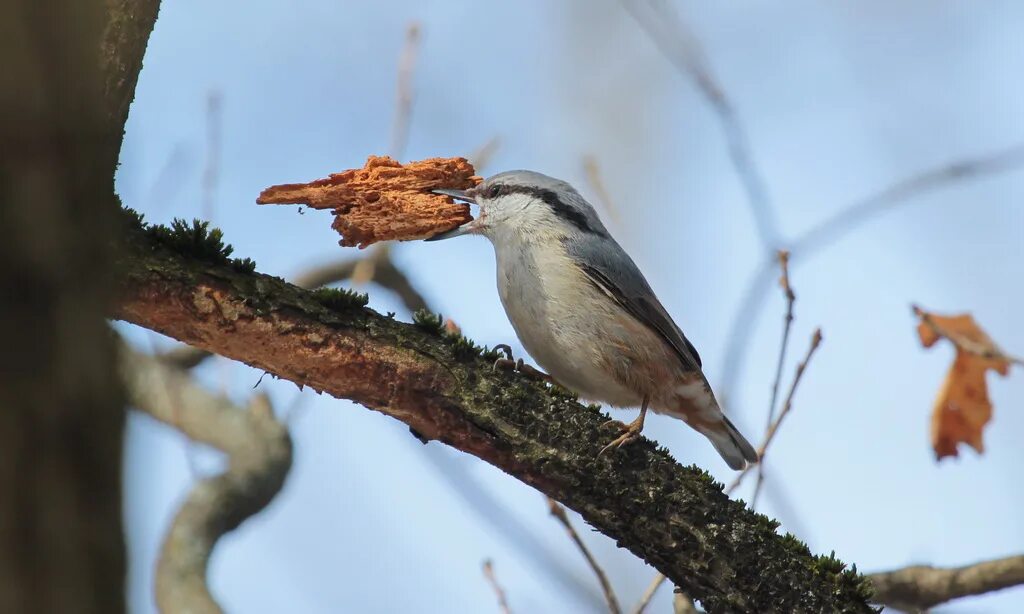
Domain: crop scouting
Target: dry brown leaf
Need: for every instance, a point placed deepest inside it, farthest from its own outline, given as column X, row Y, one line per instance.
column 962, row 408
column 385, row 200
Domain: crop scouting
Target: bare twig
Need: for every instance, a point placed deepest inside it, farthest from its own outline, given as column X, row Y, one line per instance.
column 211, row 173
column 841, row 225
column 597, row 184
column 680, row 46
column 498, row 591
column 787, row 325
column 385, row 274
column 609, row 594
column 856, row 214
column 920, row 587
column 467, row 485
column 260, row 455
column 403, row 104
column 652, row 588
column 482, row 155
column 774, row 427
column 988, row 350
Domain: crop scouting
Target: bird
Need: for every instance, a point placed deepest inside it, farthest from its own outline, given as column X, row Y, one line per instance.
column 585, row 313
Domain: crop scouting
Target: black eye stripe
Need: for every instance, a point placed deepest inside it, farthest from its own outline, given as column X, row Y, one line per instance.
column 563, row 210
column 496, row 190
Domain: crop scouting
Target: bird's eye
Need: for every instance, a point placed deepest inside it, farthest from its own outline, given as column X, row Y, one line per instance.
column 494, row 191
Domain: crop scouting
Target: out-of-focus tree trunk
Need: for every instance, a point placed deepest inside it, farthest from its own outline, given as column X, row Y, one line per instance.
column 69, row 74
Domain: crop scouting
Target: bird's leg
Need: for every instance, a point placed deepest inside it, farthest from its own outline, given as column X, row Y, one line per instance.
column 630, row 432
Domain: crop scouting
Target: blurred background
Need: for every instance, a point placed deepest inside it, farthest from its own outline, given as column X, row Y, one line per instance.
column 836, row 103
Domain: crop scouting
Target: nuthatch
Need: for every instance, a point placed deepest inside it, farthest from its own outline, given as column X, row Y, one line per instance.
column 585, row 313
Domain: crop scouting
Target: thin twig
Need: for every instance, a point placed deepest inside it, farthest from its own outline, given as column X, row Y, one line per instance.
column 211, row 173
column 498, row 591
column 403, row 103
column 989, row 350
column 774, row 427
column 856, row 214
column 850, row 218
column 920, row 587
column 482, row 155
column 787, row 289
column 366, row 268
column 680, row 46
column 597, row 184
column 652, row 588
column 609, row 594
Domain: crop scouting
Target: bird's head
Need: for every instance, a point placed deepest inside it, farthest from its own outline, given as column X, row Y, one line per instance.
column 522, row 204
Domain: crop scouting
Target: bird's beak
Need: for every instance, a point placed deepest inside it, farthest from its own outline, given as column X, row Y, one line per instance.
column 463, row 195
column 466, row 228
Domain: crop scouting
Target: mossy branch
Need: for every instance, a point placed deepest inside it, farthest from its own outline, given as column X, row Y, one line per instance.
column 676, row 518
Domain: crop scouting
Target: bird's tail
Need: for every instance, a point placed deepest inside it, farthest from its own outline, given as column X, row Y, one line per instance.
column 731, row 445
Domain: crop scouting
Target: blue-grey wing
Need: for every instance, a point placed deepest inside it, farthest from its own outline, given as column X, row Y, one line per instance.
column 611, row 269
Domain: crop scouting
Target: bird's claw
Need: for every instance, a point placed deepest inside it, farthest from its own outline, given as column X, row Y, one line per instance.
column 630, row 433
column 534, row 372
column 506, row 348
column 508, row 364
column 505, row 364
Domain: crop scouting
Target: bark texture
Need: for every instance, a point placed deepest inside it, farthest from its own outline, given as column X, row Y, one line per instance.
column 180, row 283
column 69, row 74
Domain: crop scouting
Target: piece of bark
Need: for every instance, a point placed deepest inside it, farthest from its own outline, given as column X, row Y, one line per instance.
column 385, row 200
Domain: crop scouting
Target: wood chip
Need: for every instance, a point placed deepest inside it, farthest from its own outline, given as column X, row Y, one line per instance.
column 385, row 200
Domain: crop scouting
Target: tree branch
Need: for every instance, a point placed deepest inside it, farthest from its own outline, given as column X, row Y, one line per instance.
column 920, row 587
column 260, row 456
column 675, row 518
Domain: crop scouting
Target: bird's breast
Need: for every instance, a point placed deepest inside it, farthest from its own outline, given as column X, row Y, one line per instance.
column 570, row 328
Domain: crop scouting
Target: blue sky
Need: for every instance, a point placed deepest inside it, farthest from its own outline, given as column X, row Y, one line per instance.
column 839, row 102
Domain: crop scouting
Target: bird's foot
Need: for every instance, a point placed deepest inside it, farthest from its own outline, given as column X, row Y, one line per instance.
column 630, row 433
column 509, row 364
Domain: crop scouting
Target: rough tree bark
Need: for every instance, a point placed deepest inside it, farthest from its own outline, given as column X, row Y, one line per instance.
column 180, row 283
column 69, row 74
